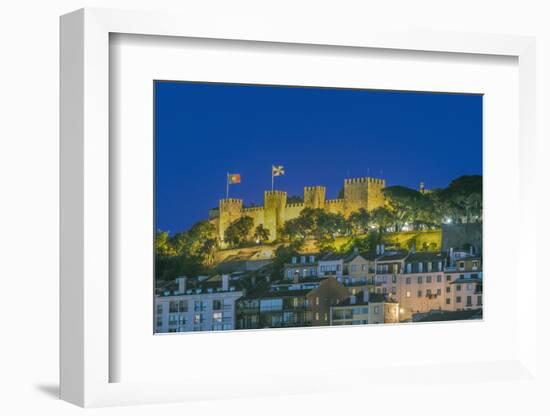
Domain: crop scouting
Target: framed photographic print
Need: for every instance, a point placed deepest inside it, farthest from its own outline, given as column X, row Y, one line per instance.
column 258, row 205
column 279, row 222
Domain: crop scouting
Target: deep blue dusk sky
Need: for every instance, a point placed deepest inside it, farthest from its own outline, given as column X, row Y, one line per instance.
column 321, row 136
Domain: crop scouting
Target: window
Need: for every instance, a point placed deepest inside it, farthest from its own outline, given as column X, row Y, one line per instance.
column 271, row 305
column 302, row 259
column 197, row 318
column 217, row 317
column 438, row 292
column 295, row 302
column 316, row 316
column 461, row 265
column 217, row 304
column 289, row 274
column 474, row 275
column 183, row 306
column 428, row 279
column 353, row 267
column 394, row 290
column 448, row 289
column 159, row 309
column 408, row 294
column 174, row 306
column 312, row 259
column 470, row 286
column 326, row 316
column 419, row 279
column 419, row 294
column 468, row 301
column 458, row 299
column 448, row 301
column 394, row 279
column 458, row 288
column 384, row 290
column 317, row 300
column 438, row 278
column 448, row 278
column 159, row 320
column 474, row 264
column 428, row 292
column 479, row 300
column 377, row 309
column 294, row 260
column 408, row 281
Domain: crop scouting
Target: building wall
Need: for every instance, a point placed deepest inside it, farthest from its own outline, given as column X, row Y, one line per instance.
column 420, row 297
column 328, row 294
column 184, row 320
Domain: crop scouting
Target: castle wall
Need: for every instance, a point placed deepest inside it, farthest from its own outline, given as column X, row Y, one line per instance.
column 376, row 197
column 256, row 213
column 230, row 210
column 274, row 212
column 359, row 193
column 363, row 193
column 293, row 211
column 314, row 196
column 335, row 206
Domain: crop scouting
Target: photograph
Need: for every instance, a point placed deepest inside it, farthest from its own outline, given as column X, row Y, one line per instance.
column 280, row 206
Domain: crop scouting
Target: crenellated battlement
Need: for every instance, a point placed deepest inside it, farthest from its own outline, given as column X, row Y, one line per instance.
column 230, row 201
column 366, row 179
column 334, row 201
column 275, row 192
column 295, row 205
column 252, row 209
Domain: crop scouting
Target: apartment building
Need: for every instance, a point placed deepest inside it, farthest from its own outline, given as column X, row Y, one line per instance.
column 200, row 304
column 364, row 308
column 290, row 304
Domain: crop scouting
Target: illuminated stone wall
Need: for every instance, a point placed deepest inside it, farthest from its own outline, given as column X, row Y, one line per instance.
column 359, row 193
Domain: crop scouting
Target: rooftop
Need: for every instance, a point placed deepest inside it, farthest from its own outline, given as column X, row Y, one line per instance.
column 427, row 256
column 437, row 316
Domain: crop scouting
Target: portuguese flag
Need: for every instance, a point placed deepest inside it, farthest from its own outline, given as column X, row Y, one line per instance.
column 233, row 178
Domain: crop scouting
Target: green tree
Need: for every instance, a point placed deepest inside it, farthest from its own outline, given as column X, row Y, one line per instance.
column 283, row 254
column 359, row 221
column 238, row 232
column 163, row 246
column 462, row 200
column 261, row 234
column 382, row 218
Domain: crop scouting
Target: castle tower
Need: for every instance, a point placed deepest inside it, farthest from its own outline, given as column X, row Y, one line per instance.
column 230, row 210
column 314, row 196
column 274, row 211
column 364, row 193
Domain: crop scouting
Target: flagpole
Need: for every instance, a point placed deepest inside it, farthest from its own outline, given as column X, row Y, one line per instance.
column 272, row 178
column 227, row 186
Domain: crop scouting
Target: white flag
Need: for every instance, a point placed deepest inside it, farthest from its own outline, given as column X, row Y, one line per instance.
column 278, row 170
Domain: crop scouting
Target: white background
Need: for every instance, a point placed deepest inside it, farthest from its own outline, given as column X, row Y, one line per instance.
column 29, row 206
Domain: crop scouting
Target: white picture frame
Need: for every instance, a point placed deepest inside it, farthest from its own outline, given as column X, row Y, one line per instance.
column 86, row 353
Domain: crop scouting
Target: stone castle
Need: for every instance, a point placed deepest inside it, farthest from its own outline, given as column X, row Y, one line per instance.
column 358, row 193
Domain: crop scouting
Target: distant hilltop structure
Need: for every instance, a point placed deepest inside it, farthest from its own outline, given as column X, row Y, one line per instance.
column 359, row 193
